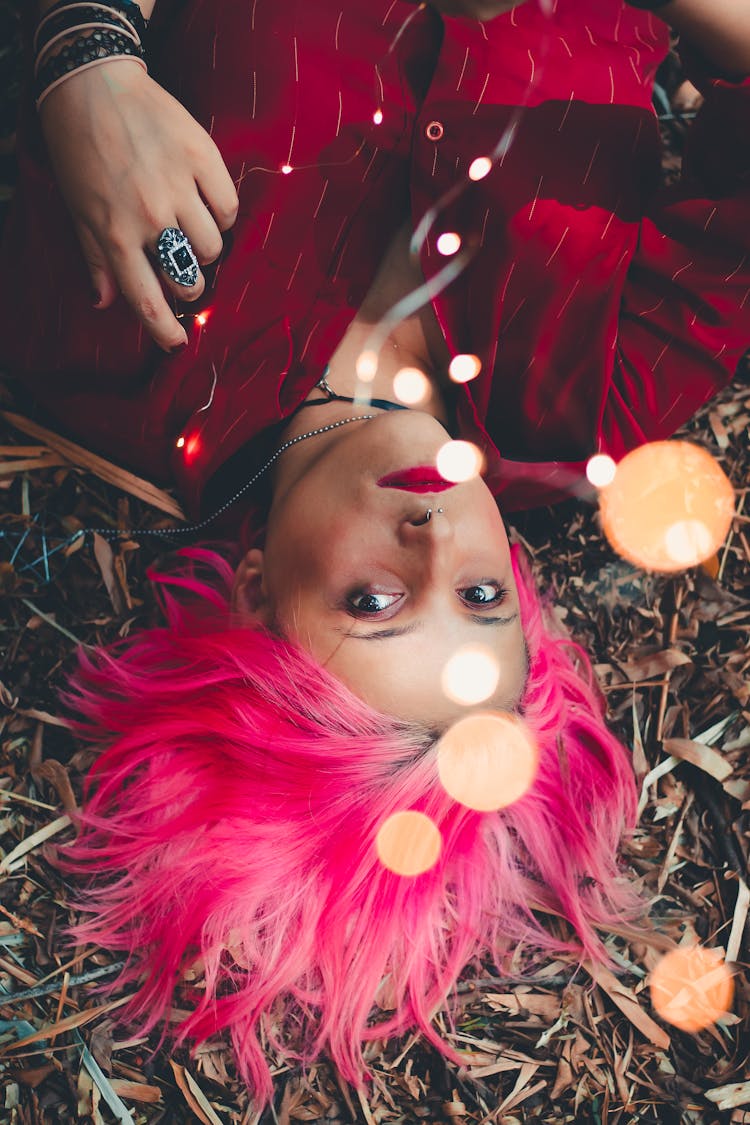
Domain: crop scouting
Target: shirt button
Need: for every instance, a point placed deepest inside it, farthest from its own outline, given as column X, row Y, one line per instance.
column 435, row 131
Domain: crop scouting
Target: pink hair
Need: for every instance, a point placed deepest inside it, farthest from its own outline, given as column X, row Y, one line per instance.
column 231, row 817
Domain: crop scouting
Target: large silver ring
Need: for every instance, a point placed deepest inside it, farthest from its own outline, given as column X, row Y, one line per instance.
column 176, row 256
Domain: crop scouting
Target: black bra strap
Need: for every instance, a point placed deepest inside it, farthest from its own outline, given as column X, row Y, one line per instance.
column 331, row 396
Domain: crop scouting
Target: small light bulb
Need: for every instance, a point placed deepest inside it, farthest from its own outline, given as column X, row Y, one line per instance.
column 600, row 470
column 286, row 169
column 377, row 117
column 180, row 441
column 201, row 318
column 480, row 168
column 448, row 243
column 464, row 368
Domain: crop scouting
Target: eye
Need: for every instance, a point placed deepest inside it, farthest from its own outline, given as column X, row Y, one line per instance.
column 367, row 604
column 484, row 593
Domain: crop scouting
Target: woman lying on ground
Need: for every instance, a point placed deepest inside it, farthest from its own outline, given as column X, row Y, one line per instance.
column 252, row 749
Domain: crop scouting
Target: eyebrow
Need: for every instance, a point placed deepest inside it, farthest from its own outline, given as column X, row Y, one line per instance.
column 404, row 630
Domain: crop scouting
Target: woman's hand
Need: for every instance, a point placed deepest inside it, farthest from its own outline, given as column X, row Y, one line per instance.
column 130, row 161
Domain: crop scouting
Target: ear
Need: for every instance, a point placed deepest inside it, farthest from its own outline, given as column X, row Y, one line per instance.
column 249, row 597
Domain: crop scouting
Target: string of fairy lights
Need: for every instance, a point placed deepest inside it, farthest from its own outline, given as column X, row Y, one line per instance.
column 665, row 507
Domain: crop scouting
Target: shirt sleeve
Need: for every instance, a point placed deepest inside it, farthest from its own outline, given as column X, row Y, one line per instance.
column 685, row 314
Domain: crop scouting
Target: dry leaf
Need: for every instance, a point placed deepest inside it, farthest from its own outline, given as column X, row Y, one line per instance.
column 627, row 1002
column 194, row 1096
column 106, row 560
column 706, row 758
column 57, row 775
column 108, row 472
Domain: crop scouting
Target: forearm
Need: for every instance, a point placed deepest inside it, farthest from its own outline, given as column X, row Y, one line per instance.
column 146, row 6
column 719, row 28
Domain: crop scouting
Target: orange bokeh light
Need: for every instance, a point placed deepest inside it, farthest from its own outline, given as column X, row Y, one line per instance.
column 408, row 843
column 669, row 506
column 487, row 760
column 692, row 987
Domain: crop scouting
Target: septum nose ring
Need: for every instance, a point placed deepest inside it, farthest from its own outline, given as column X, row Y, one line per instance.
column 428, row 514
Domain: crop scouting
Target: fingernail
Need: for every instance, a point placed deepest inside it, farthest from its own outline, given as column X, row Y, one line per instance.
column 177, row 349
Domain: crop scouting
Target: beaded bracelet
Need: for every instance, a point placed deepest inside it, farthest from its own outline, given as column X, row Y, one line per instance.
column 125, row 9
column 76, row 18
column 90, row 50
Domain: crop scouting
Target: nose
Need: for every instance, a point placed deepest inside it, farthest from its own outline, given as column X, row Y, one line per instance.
column 429, row 525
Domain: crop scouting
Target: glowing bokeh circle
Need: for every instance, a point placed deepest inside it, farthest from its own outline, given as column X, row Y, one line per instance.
column 408, row 843
column 669, row 506
column 487, row 760
column 692, row 987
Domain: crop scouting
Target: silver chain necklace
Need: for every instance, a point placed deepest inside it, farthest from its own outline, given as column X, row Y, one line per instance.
column 190, row 529
column 254, row 479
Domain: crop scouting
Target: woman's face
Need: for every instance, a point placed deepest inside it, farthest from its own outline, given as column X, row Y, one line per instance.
column 355, row 574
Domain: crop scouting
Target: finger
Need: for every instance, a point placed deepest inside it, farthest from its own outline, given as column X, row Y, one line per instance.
column 217, row 188
column 201, row 229
column 103, row 281
column 141, row 289
column 177, row 264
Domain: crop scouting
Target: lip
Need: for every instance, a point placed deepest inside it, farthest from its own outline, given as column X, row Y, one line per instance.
column 419, row 478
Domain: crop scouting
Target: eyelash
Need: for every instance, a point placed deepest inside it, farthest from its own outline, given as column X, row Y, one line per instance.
column 499, row 597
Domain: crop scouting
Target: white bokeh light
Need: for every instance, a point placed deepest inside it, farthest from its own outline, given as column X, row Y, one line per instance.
column 480, row 168
column 688, row 542
column 600, row 470
column 459, row 461
column 465, row 367
column 367, row 366
column 471, row 675
column 448, row 243
column 411, row 386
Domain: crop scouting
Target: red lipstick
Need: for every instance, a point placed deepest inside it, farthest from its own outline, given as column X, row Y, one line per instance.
column 420, row 478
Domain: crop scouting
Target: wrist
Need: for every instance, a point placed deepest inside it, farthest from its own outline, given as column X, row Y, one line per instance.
column 146, row 7
column 80, row 35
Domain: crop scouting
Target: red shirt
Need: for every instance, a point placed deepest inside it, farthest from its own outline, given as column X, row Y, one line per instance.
column 604, row 310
